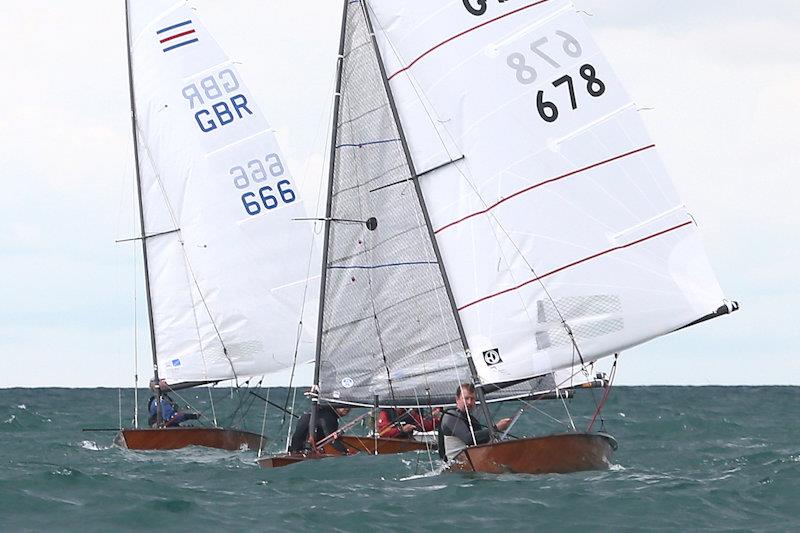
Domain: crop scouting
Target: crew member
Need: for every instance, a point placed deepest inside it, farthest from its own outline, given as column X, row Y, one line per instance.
column 460, row 428
column 327, row 424
column 170, row 415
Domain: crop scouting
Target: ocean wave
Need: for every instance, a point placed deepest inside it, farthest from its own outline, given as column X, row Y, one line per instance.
column 92, row 445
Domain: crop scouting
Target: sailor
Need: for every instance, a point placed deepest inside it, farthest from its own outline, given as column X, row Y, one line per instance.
column 401, row 423
column 460, row 428
column 327, row 424
column 170, row 415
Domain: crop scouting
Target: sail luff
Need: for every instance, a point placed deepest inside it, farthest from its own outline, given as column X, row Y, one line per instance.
column 328, row 203
column 423, row 208
column 135, row 137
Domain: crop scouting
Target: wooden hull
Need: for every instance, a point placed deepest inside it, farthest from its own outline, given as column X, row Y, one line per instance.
column 175, row 438
column 354, row 444
column 554, row 454
column 384, row 445
column 277, row 461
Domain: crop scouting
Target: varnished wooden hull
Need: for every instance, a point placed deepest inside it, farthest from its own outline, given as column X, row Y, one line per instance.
column 277, row 461
column 554, row 454
column 354, row 444
column 384, row 445
column 175, row 438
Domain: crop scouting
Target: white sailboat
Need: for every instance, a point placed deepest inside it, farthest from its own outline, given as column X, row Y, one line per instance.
column 517, row 218
column 225, row 263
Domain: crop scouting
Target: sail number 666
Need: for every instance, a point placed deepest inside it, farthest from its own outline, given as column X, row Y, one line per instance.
column 256, row 172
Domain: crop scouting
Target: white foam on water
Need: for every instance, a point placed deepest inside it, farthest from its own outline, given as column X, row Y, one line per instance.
column 9, row 420
column 435, row 472
column 92, row 445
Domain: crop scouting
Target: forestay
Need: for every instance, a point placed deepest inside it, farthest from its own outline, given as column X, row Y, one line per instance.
column 557, row 223
column 227, row 263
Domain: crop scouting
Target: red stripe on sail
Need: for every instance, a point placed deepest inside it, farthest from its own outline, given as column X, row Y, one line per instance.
column 176, row 36
column 575, row 263
column 551, row 180
column 454, row 37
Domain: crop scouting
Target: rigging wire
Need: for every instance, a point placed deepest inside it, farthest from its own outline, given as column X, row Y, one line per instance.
column 263, row 422
column 325, row 117
column 124, row 183
column 605, row 396
column 289, row 425
column 422, row 419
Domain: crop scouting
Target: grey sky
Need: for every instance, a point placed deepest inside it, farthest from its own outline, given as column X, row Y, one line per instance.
column 721, row 77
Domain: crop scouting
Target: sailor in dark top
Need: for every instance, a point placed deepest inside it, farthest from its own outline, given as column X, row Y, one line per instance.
column 459, row 425
column 327, row 423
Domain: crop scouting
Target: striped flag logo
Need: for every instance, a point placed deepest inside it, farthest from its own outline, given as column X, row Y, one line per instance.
column 177, row 35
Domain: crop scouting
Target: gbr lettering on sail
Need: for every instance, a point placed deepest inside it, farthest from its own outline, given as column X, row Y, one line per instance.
column 216, row 100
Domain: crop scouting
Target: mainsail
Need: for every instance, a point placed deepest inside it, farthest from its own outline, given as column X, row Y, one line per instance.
column 561, row 234
column 226, row 261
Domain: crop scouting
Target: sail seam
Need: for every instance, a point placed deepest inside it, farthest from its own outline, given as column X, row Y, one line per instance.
column 454, row 37
column 575, row 263
column 366, row 143
column 369, row 267
column 536, row 185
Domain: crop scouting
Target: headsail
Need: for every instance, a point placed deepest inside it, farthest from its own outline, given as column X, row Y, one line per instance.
column 560, row 231
column 226, row 262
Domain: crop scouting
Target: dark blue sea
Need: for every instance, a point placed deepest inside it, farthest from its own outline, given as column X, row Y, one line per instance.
column 689, row 459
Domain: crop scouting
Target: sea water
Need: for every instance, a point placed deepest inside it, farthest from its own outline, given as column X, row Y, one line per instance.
column 689, row 458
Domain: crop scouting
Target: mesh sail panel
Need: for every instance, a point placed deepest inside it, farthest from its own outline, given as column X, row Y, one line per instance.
column 388, row 328
column 526, row 389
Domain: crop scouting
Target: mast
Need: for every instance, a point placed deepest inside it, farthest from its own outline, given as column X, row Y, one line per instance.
column 473, row 370
column 141, row 217
column 331, row 166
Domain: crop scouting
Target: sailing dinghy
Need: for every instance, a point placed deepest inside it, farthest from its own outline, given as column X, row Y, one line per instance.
column 224, row 261
column 516, row 218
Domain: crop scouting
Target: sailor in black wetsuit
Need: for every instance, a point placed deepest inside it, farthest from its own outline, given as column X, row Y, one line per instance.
column 327, row 423
column 459, row 425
